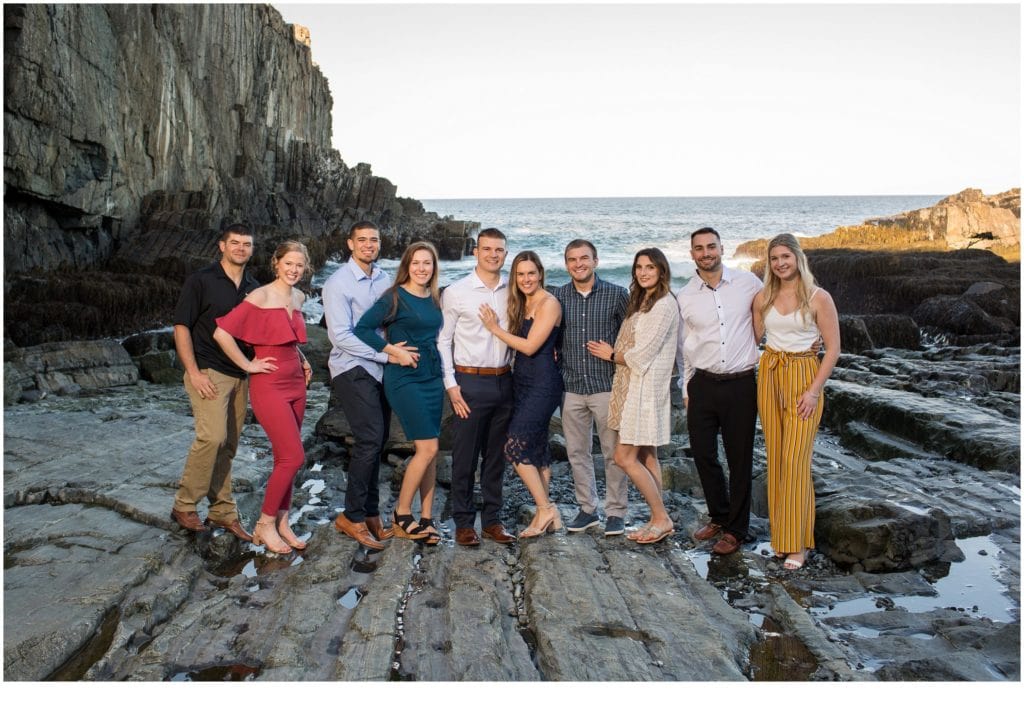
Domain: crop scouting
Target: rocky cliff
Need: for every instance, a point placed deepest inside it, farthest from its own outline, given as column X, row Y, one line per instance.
column 134, row 133
column 951, row 271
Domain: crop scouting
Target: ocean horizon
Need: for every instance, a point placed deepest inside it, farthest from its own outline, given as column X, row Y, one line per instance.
column 620, row 226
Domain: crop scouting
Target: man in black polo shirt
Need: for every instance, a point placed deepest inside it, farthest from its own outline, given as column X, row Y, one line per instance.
column 217, row 388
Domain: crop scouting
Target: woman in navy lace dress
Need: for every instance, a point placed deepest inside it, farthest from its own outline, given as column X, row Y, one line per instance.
column 535, row 315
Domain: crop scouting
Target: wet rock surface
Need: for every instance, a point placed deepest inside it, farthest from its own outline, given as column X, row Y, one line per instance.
column 916, row 573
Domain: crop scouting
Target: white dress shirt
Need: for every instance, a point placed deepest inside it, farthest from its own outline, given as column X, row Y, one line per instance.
column 716, row 332
column 463, row 339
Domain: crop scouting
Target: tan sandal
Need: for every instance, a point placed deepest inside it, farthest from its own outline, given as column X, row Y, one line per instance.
column 270, row 545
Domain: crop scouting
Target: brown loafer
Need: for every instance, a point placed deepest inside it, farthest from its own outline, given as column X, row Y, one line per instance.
column 357, row 531
column 189, row 520
column 498, row 534
column 378, row 530
column 466, row 536
column 235, row 528
column 707, row 532
column 726, row 545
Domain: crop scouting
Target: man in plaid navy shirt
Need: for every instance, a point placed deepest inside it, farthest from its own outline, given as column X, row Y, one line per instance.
column 592, row 310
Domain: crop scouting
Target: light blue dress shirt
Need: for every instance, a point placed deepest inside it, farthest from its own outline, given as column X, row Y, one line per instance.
column 348, row 293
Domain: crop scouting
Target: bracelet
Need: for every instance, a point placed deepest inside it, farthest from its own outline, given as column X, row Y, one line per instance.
column 612, row 357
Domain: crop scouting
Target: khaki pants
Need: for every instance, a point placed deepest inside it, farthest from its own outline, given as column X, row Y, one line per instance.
column 580, row 412
column 218, row 424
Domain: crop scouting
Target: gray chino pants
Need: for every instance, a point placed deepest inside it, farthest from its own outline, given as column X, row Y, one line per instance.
column 580, row 412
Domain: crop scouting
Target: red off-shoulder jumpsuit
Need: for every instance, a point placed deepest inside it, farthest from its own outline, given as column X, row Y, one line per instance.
column 278, row 398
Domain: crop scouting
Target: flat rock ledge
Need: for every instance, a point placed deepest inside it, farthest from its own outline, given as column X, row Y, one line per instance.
column 101, row 585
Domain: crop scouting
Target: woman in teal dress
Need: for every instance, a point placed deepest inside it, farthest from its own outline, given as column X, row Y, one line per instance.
column 410, row 311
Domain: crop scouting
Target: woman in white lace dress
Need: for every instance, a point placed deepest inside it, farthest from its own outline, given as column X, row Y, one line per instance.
column 640, row 409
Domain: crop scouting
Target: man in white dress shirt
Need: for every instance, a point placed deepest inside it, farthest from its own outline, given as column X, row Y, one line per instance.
column 717, row 357
column 478, row 378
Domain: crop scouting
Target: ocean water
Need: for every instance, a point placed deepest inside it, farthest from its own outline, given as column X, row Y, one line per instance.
column 620, row 226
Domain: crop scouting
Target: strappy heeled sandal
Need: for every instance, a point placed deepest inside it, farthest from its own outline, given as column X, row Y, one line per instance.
column 258, row 537
column 407, row 527
column 427, row 528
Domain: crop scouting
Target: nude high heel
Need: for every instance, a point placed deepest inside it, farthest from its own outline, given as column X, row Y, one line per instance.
column 286, row 533
column 261, row 535
column 549, row 525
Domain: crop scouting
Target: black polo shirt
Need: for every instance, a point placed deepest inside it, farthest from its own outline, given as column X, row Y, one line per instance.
column 208, row 294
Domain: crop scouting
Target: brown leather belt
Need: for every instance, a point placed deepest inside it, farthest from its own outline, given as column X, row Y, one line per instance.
column 466, row 370
column 723, row 376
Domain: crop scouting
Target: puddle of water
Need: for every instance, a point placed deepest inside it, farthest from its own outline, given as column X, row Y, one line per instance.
column 314, row 486
column 91, row 652
column 351, row 598
column 700, row 560
column 780, row 657
column 913, row 508
column 294, row 517
column 971, row 586
column 365, row 560
column 225, row 673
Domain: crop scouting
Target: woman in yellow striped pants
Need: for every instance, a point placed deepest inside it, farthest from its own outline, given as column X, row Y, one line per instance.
column 792, row 312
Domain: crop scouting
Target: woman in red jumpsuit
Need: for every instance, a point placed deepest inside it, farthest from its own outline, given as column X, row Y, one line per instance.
column 270, row 320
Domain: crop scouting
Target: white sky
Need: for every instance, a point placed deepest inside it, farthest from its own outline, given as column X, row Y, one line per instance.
column 486, row 100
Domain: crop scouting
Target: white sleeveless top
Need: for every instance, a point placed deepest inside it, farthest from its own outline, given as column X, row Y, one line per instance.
column 790, row 332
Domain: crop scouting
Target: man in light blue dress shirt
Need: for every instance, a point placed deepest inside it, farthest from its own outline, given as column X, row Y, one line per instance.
column 356, row 374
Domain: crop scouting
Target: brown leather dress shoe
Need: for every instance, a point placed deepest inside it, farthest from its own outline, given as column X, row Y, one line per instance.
column 235, row 528
column 357, row 531
column 378, row 530
column 466, row 536
column 189, row 520
column 726, row 545
column 498, row 534
column 707, row 531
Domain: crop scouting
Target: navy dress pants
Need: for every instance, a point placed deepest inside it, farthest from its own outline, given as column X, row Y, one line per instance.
column 480, row 438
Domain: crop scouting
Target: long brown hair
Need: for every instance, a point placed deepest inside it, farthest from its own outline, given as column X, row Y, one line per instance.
column 639, row 299
column 402, row 277
column 772, row 283
column 516, row 298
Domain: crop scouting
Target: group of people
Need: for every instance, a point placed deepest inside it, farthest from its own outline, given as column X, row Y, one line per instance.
column 508, row 353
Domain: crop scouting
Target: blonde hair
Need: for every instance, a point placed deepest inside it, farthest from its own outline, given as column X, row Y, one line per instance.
column 772, row 283
column 516, row 298
column 291, row 247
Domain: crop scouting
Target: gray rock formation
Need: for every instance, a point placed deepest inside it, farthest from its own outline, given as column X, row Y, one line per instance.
column 134, row 133
column 67, row 368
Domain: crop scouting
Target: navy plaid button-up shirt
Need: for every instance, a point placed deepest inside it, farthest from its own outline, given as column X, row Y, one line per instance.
column 595, row 317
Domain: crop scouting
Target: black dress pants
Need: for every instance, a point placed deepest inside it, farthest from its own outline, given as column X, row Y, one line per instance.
column 369, row 416
column 480, row 438
column 729, row 407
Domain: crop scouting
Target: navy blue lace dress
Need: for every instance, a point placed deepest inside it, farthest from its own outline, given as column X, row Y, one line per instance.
column 537, row 392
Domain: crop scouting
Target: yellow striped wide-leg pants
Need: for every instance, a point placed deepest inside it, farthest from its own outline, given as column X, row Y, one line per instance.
column 789, row 440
